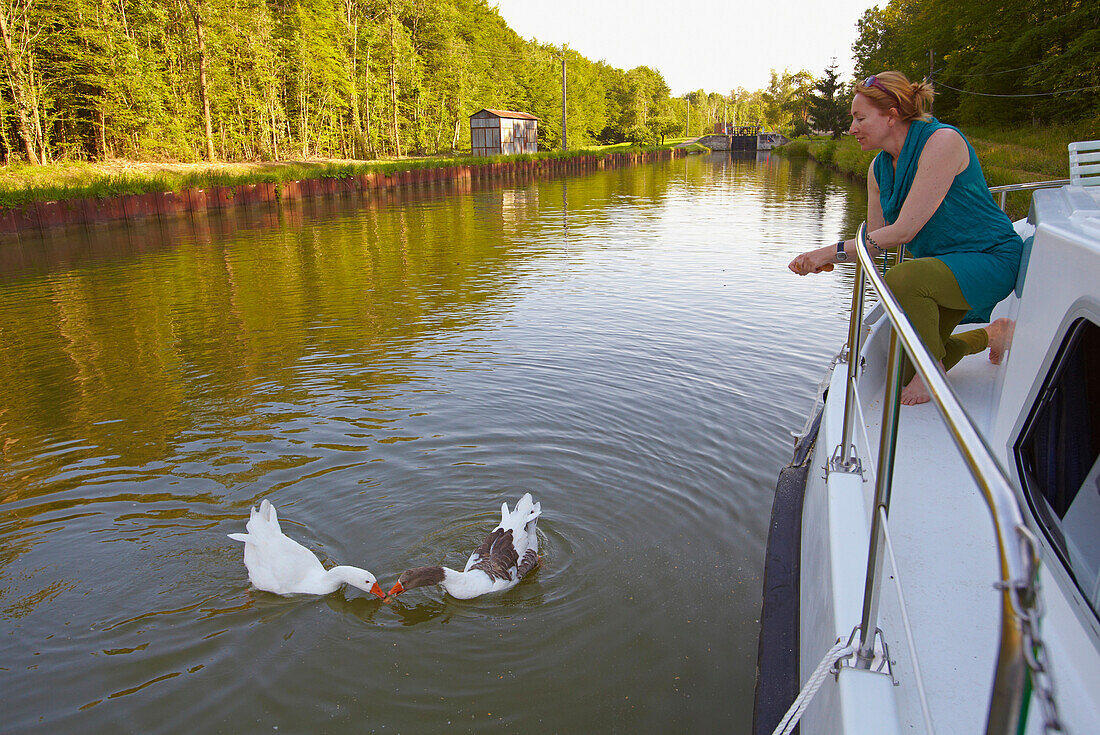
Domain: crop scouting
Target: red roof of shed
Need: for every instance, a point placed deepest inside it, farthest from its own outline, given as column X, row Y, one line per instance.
column 508, row 113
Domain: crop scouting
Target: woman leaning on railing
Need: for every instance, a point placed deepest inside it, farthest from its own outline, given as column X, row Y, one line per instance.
column 926, row 191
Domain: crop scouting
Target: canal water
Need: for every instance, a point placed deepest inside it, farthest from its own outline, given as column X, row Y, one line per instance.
column 627, row 344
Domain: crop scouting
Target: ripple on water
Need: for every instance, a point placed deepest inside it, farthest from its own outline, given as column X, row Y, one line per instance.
column 388, row 372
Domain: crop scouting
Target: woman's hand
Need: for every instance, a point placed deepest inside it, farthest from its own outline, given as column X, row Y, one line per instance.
column 814, row 261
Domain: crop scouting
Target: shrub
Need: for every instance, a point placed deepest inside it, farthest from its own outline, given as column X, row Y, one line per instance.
column 799, row 147
column 851, row 159
column 824, row 151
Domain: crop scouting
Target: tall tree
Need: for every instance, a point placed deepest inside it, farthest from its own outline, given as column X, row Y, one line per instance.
column 244, row 79
column 195, row 9
column 19, row 65
column 829, row 108
column 1017, row 61
column 785, row 99
column 393, row 49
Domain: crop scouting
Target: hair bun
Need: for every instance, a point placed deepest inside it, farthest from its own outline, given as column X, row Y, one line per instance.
column 922, row 94
column 893, row 89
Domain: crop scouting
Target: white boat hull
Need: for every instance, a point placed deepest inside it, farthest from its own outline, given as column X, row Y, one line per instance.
column 940, row 527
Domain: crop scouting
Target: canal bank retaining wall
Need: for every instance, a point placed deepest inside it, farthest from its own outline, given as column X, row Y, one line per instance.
column 91, row 210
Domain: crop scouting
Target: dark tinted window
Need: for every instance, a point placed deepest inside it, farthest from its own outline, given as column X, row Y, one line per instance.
column 1057, row 457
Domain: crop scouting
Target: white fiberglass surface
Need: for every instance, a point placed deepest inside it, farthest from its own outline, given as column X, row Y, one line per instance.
column 943, row 539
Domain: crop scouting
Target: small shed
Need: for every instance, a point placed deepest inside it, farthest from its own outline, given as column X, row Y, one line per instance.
column 493, row 132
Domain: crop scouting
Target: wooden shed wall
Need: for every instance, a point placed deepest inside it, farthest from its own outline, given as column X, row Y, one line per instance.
column 491, row 135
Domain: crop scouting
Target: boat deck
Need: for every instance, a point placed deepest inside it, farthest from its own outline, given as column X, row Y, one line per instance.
column 942, row 531
column 943, row 540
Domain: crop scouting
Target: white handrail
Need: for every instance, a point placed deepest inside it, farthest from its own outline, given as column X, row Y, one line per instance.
column 1030, row 186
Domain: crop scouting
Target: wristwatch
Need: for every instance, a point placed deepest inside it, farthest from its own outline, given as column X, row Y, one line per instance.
column 840, row 254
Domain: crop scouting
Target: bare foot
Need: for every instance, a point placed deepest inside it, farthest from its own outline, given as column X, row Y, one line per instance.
column 1000, row 339
column 915, row 392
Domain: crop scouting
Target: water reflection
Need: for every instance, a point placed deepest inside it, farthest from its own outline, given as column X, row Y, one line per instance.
column 423, row 612
column 565, row 210
column 387, row 370
column 192, row 337
column 359, row 607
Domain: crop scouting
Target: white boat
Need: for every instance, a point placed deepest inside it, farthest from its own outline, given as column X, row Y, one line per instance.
column 942, row 574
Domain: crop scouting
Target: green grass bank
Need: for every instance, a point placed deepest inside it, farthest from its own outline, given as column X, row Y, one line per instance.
column 1008, row 156
column 21, row 184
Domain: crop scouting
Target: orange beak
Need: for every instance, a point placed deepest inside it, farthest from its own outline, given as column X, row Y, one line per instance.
column 397, row 589
column 376, row 590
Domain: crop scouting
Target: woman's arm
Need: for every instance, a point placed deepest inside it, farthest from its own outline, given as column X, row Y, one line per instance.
column 944, row 157
column 875, row 220
column 822, row 259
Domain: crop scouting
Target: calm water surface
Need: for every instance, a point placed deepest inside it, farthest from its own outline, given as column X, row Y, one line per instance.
column 626, row 344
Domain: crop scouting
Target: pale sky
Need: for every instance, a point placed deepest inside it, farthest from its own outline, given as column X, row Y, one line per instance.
column 716, row 46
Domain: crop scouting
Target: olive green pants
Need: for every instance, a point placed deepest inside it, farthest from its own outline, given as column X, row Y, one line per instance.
column 928, row 292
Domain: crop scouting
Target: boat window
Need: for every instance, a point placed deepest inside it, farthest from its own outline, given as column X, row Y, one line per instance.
column 1057, row 456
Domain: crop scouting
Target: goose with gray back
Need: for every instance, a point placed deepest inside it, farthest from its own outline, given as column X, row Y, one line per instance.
column 508, row 553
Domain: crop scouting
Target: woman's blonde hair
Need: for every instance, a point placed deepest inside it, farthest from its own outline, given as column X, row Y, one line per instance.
column 893, row 89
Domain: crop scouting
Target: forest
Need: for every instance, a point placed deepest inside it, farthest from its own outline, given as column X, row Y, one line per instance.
column 1003, row 63
column 231, row 80
column 246, row 80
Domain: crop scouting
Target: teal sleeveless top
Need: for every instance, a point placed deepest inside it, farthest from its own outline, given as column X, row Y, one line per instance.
column 969, row 233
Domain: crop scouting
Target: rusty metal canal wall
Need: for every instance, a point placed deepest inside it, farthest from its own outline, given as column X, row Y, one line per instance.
column 91, row 210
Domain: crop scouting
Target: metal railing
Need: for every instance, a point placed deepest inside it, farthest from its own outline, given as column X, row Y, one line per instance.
column 1018, row 555
column 1032, row 186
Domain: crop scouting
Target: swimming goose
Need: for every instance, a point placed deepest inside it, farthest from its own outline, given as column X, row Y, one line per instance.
column 277, row 563
column 506, row 554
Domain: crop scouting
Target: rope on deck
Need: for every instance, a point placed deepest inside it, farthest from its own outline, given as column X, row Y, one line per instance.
column 802, row 701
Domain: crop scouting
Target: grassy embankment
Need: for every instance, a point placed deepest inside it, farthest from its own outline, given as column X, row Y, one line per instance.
column 1012, row 156
column 21, row 184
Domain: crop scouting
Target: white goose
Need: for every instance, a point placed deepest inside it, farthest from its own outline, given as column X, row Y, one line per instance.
column 506, row 554
column 277, row 563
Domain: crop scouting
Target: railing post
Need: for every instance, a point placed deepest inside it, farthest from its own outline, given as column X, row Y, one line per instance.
column 1018, row 568
column 883, row 483
column 844, row 458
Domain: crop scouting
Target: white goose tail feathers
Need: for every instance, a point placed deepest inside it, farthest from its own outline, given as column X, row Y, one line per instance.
column 266, row 514
column 520, row 514
column 525, row 517
column 522, row 517
column 528, row 509
column 260, row 521
column 525, row 504
column 533, row 516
